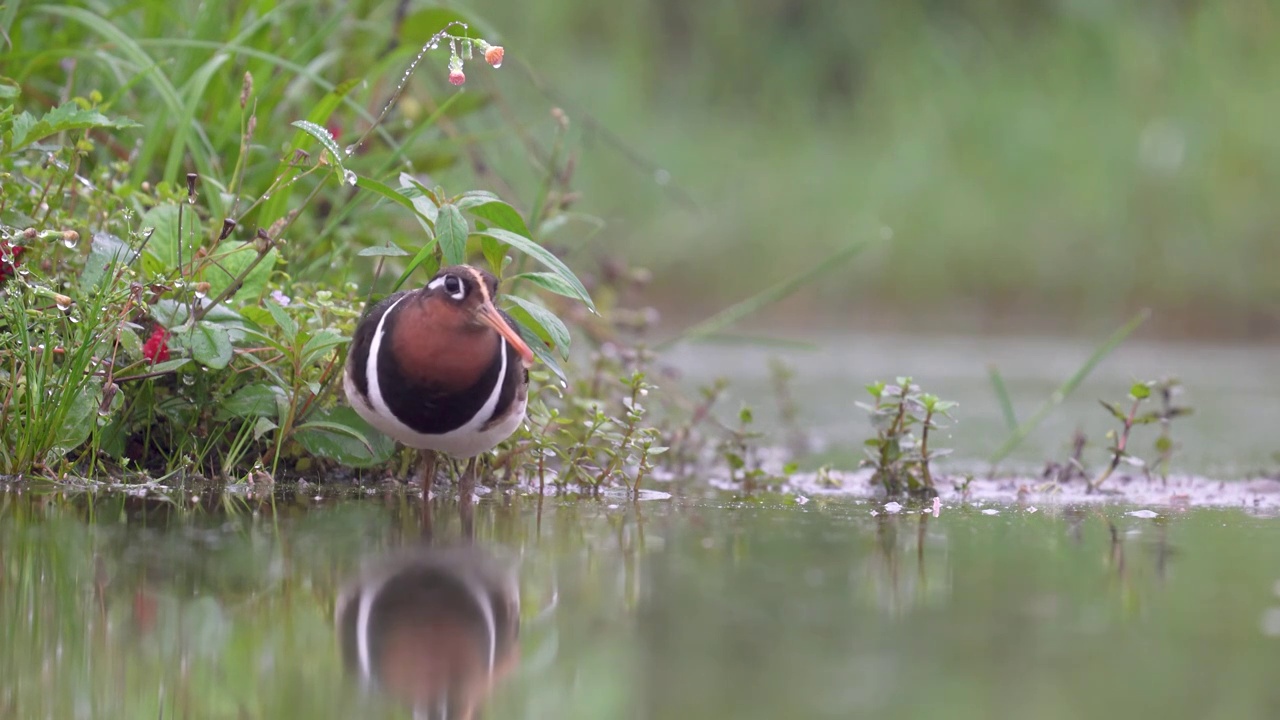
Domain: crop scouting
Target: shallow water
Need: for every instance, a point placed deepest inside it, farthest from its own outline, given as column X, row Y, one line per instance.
column 687, row 608
column 1233, row 390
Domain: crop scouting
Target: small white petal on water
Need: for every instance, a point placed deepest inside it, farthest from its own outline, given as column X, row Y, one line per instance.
column 892, row 507
column 991, row 511
column 1144, row 514
column 1032, row 509
column 801, row 500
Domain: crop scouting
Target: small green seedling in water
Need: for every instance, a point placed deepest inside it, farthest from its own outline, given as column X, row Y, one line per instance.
column 904, row 417
column 1139, row 394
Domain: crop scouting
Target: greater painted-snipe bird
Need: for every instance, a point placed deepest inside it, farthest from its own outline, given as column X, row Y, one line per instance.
column 441, row 368
column 435, row 628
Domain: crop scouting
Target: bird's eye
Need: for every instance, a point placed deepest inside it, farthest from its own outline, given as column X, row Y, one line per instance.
column 453, row 286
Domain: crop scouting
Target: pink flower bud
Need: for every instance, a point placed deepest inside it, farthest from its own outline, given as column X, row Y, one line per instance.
column 457, row 77
column 493, row 55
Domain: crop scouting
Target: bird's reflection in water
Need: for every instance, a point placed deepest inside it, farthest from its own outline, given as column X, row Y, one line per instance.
column 434, row 628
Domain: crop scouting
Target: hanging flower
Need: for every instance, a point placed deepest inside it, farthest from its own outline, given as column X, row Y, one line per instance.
column 156, row 348
column 456, row 76
column 493, row 55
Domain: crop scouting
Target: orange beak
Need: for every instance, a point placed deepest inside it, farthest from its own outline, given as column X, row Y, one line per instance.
column 489, row 316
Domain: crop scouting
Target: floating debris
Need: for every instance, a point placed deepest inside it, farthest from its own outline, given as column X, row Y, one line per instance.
column 1144, row 514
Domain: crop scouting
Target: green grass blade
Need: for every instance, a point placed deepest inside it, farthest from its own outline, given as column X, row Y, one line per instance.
column 1002, row 396
column 715, row 324
column 1063, row 391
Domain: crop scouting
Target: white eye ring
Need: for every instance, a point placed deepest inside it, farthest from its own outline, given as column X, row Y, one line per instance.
column 452, row 285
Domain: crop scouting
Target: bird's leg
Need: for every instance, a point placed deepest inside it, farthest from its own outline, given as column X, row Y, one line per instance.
column 467, row 483
column 426, row 470
column 465, row 509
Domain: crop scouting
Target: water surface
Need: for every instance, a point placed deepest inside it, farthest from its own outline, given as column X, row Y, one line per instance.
column 117, row 607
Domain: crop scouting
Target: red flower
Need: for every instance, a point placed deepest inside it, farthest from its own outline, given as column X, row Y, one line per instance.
column 335, row 130
column 456, row 77
column 10, row 259
column 493, row 55
column 156, row 348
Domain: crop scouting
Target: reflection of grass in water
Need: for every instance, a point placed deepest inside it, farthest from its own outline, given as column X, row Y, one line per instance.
column 1067, row 161
column 125, row 609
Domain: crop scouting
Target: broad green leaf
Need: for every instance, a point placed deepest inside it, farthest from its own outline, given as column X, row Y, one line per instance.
column 106, row 252
column 549, row 327
column 421, row 199
column 230, row 260
column 383, row 251
column 319, row 344
column 69, row 116
column 553, row 283
column 252, row 401
column 78, row 421
column 495, row 253
column 341, row 434
column 500, row 215
column 286, row 324
column 385, row 191
column 209, row 344
column 161, row 252
column 472, row 198
column 451, row 232
column 542, row 255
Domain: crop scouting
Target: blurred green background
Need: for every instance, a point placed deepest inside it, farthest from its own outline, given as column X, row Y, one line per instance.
column 1022, row 166
column 1038, row 166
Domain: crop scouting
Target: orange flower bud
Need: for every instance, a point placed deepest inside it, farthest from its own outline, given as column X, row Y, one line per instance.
column 493, row 55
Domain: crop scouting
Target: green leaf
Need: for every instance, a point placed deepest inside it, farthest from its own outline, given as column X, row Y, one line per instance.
column 342, row 435
column 498, row 214
column 286, row 324
column 451, row 232
column 106, row 252
column 542, row 255
column 252, row 401
column 69, row 116
column 553, row 283
column 78, row 421
column 542, row 321
column 325, row 138
column 541, row 351
column 495, row 253
column 383, row 251
column 231, row 259
column 209, row 345
column 161, row 253
column 1114, row 410
column 385, row 191
column 317, row 346
column 421, row 199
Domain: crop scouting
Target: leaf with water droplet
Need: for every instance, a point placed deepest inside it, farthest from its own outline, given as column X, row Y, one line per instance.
column 326, row 139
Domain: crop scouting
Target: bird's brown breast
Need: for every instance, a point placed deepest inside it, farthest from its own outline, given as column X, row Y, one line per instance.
column 437, row 345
